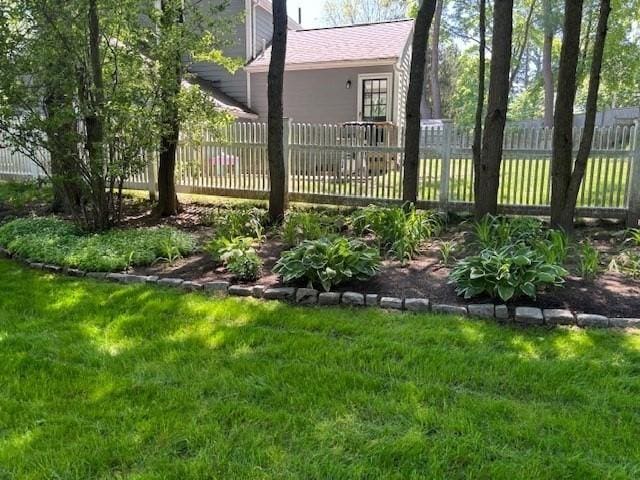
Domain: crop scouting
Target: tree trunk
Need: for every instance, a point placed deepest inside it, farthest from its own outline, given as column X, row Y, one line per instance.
column 414, row 93
column 172, row 14
column 566, row 181
column 436, row 97
column 547, row 69
column 562, row 142
column 477, row 130
column 95, row 126
column 275, row 82
column 488, row 173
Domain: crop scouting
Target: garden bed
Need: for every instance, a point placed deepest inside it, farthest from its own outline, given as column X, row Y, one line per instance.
column 425, row 276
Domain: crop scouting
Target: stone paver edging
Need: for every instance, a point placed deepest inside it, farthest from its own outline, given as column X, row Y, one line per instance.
column 309, row 296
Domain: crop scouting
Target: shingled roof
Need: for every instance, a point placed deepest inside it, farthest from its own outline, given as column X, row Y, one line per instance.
column 369, row 42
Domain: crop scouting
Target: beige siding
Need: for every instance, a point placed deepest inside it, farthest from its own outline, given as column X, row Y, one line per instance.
column 317, row 96
column 263, row 25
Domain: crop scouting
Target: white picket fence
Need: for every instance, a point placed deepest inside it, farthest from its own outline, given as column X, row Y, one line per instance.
column 358, row 165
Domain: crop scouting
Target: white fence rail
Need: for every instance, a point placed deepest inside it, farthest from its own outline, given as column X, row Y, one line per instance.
column 355, row 165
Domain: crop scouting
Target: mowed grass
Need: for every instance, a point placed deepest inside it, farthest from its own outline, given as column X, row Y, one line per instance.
column 106, row 381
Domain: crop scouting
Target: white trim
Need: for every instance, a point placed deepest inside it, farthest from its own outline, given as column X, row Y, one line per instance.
column 327, row 65
column 390, row 100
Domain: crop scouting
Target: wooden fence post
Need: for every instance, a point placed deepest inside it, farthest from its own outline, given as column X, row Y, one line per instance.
column 445, row 170
column 286, row 155
column 633, row 206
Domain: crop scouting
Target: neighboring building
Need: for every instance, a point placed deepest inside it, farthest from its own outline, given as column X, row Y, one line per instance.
column 612, row 117
column 332, row 75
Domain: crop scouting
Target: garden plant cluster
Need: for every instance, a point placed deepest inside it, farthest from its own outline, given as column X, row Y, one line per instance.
column 498, row 257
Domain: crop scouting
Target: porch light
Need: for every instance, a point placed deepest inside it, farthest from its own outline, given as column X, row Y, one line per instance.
column 348, row 84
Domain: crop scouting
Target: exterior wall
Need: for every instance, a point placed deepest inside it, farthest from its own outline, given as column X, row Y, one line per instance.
column 233, row 85
column 263, row 29
column 317, row 96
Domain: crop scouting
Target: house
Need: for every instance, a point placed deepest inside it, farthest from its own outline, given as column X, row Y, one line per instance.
column 355, row 73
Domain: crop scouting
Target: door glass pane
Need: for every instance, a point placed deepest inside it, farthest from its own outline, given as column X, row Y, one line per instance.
column 374, row 100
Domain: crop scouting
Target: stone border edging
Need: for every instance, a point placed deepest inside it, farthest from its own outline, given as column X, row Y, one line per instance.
column 309, row 296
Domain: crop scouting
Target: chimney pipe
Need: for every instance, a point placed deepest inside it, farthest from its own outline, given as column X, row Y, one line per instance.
column 299, row 15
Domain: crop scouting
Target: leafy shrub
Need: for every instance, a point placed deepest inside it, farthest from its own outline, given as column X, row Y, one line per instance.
column 300, row 226
column 240, row 222
column 328, row 262
column 399, row 232
column 507, row 273
column 238, row 255
column 589, row 260
column 55, row 241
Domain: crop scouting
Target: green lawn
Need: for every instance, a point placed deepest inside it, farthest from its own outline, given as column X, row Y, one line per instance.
column 106, row 381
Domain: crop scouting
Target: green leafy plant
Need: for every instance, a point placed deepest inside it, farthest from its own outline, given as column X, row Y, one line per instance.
column 399, row 232
column 496, row 232
column 328, row 262
column 240, row 222
column 634, row 236
column 447, row 250
column 554, row 247
column 55, row 241
column 300, row 226
column 589, row 260
column 505, row 273
column 238, row 255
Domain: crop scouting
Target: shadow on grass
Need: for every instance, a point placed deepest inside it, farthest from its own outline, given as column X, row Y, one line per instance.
column 103, row 380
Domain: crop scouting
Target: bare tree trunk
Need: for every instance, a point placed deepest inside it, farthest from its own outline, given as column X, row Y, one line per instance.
column 95, row 125
column 275, row 147
column 414, row 93
column 565, row 186
column 547, row 69
column 562, row 143
column 434, row 71
column 488, row 173
column 477, row 130
column 172, row 13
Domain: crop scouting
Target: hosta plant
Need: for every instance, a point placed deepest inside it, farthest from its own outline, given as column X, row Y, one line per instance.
column 240, row 221
column 507, row 273
column 328, row 262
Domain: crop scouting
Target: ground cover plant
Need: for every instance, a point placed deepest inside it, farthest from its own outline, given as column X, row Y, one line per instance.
column 239, row 221
column 328, row 262
column 110, row 381
column 19, row 194
column 51, row 240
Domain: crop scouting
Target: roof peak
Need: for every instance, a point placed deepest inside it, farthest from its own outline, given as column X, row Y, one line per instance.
column 398, row 20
